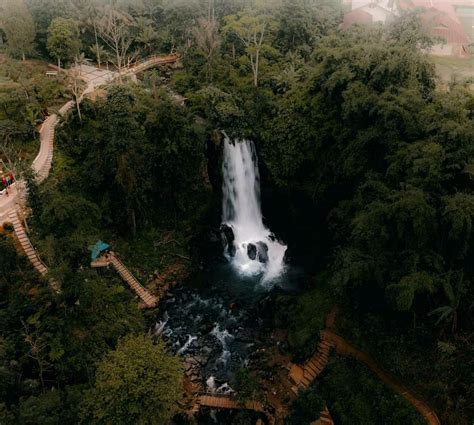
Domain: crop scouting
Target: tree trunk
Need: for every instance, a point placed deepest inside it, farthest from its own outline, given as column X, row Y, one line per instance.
column 119, row 64
column 59, row 64
column 133, row 223
column 96, row 44
column 255, row 72
column 78, row 107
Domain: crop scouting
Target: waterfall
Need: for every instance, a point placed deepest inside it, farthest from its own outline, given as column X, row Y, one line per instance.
column 252, row 248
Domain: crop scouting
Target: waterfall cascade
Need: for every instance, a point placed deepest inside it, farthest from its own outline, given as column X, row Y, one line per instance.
column 252, row 248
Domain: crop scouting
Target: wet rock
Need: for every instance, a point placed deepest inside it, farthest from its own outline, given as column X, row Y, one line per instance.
column 262, row 252
column 228, row 239
column 252, row 251
column 213, row 237
column 228, row 234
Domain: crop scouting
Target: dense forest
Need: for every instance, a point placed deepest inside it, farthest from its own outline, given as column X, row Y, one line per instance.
column 366, row 173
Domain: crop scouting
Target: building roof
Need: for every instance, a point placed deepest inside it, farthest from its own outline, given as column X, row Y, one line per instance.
column 440, row 19
column 357, row 16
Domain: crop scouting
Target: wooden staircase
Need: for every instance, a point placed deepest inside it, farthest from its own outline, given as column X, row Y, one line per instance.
column 325, row 418
column 148, row 300
column 26, row 244
column 303, row 376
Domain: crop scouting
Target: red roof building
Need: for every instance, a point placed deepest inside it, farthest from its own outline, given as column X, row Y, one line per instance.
column 441, row 21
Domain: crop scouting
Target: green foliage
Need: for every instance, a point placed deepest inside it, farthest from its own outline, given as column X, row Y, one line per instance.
column 25, row 101
column 304, row 410
column 219, row 107
column 44, row 409
column 246, row 385
column 304, row 316
column 354, row 396
column 17, row 24
column 301, row 24
column 148, row 154
column 63, row 39
column 349, row 128
column 139, row 382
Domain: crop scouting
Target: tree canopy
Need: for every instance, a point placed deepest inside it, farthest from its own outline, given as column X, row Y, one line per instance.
column 139, row 382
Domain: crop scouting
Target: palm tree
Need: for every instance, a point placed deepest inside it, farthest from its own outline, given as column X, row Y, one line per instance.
column 449, row 312
column 87, row 15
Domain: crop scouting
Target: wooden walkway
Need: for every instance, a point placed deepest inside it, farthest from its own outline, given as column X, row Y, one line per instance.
column 29, row 250
column 226, row 402
column 215, row 401
column 150, row 62
column 26, row 244
column 148, row 300
column 344, row 348
column 324, row 419
column 303, row 376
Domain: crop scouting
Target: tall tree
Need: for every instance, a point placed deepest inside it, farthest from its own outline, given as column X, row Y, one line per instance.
column 138, row 383
column 17, row 23
column 63, row 40
column 208, row 41
column 115, row 29
column 87, row 12
column 252, row 29
column 147, row 35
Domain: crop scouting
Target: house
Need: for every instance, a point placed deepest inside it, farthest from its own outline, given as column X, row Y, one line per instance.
column 366, row 12
column 450, row 21
column 442, row 21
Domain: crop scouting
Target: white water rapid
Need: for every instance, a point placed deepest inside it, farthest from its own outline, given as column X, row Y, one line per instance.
column 254, row 249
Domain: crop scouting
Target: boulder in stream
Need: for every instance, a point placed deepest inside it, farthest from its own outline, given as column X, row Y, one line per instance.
column 252, row 251
column 228, row 238
column 262, row 252
column 228, row 233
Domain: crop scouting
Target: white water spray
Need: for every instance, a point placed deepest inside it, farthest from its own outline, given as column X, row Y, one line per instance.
column 256, row 249
column 211, row 384
column 186, row 345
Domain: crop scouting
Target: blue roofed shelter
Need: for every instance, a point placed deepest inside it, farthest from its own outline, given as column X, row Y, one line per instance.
column 98, row 249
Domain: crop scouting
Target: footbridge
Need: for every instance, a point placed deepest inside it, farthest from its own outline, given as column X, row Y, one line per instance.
column 221, row 401
column 151, row 62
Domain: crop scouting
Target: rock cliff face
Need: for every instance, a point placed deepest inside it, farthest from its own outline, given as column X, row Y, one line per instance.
column 214, row 161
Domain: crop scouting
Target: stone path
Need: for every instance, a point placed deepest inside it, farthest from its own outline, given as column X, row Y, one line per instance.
column 148, row 300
